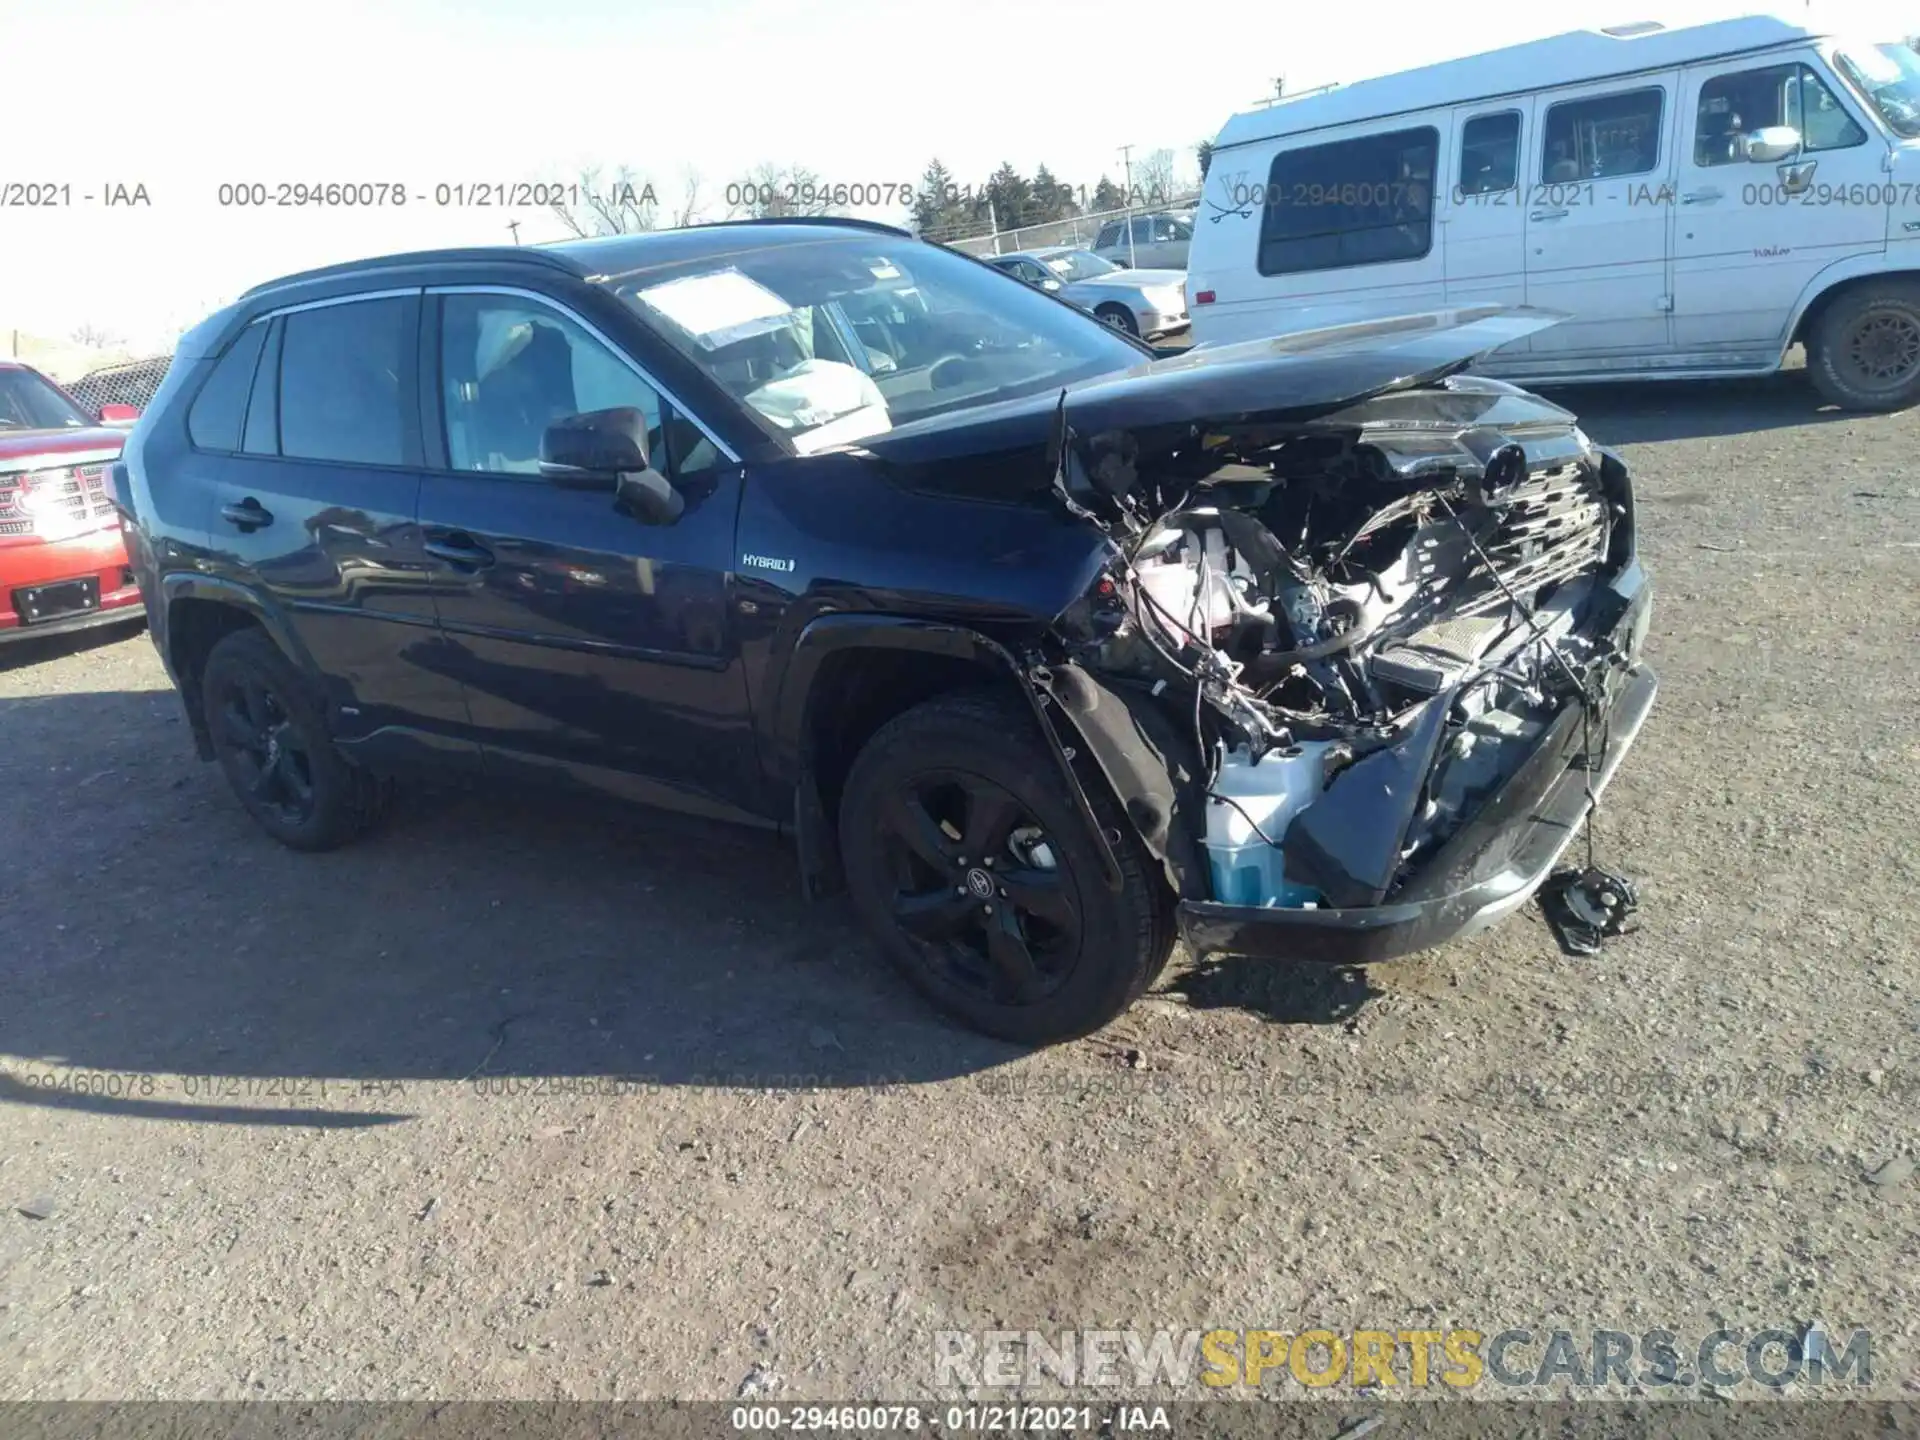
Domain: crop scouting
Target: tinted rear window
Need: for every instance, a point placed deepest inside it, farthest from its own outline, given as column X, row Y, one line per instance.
column 343, row 391
column 1353, row 202
column 214, row 421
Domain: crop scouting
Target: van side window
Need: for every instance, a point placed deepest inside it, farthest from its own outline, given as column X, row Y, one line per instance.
column 1366, row 201
column 1490, row 153
column 1602, row 136
column 1733, row 106
column 343, row 381
column 214, row 421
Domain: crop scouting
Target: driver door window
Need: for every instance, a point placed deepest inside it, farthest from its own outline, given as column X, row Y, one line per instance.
column 1735, row 105
column 510, row 367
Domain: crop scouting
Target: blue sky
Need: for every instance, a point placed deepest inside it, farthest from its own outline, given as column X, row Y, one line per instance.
column 184, row 95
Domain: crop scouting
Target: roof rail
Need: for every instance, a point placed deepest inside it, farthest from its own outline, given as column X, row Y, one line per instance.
column 498, row 254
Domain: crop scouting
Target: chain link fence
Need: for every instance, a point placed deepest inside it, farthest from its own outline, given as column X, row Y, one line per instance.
column 1076, row 230
column 132, row 383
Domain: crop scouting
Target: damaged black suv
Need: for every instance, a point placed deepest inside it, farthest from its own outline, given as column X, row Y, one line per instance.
column 1048, row 648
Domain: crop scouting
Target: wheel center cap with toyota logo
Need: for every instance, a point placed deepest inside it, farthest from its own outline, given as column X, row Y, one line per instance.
column 980, row 883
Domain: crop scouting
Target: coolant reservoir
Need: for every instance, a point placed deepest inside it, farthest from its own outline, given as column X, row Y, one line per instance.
column 1246, row 869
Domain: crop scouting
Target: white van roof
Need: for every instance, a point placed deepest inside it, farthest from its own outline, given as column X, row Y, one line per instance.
column 1537, row 65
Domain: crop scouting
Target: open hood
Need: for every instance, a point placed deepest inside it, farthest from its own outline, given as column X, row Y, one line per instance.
column 1286, row 379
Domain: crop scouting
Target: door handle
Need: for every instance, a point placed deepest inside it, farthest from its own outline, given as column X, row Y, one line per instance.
column 462, row 552
column 1796, row 175
column 1549, row 214
column 1700, row 197
column 248, row 515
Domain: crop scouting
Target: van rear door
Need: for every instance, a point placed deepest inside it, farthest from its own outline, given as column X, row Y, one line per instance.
column 1598, row 200
column 1483, row 229
column 1334, row 230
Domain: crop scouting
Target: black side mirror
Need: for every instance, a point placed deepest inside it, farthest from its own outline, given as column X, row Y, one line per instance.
column 607, row 450
column 592, row 451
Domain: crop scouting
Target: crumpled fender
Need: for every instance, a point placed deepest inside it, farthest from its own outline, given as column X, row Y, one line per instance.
column 1151, row 767
column 827, row 633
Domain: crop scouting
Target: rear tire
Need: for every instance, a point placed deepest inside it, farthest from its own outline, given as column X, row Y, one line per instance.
column 1119, row 317
column 1864, row 352
column 271, row 739
column 1020, row 938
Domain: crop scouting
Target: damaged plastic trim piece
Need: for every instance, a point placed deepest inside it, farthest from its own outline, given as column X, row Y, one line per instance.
column 1491, row 867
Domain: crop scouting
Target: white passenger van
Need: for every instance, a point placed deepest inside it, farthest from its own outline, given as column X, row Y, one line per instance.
column 1694, row 199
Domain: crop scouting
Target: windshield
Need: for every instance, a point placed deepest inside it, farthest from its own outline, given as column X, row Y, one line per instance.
column 1079, row 265
column 28, row 402
column 1889, row 76
column 836, row 339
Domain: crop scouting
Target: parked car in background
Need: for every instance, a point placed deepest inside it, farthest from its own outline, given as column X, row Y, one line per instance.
column 979, row 623
column 63, row 563
column 1694, row 201
column 1146, row 241
column 1147, row 303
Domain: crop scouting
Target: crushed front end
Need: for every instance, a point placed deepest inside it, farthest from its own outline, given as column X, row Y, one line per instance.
column 1359, row 673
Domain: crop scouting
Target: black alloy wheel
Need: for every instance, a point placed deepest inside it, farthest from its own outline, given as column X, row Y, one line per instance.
column 977, row 883
column 257, row 737
column 270, row 736
column 969, row 859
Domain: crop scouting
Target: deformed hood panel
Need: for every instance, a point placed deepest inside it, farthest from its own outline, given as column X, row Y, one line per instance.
column 1290, row 378
column 1280, row 380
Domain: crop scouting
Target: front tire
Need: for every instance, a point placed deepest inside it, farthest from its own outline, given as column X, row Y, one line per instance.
column 1864, row 353
column 968, row 859
column 1119, row 317
column 271, row 739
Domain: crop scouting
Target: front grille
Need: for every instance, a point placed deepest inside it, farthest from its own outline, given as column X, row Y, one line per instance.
column 1552, row 527
column 56, row 500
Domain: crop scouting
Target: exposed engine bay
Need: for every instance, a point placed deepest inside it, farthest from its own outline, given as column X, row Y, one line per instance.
column 1345, row 634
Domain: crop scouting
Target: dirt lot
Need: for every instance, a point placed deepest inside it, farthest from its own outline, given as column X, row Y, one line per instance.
column 587, row 1104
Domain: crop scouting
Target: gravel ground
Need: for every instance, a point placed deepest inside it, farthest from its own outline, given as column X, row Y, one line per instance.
column 512, row 1102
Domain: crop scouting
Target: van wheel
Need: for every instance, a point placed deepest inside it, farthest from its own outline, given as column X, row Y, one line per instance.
column 272, row 742
column 1864, row 353
column 1119, row 317
column 969, row 860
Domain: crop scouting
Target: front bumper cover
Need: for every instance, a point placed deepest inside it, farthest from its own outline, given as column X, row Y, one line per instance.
column 1490, row 867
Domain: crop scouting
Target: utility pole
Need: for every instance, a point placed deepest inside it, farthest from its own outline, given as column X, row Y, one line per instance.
column 514, row 226
column 1126, row 197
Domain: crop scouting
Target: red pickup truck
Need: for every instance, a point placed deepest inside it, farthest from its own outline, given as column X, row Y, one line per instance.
column 63, row 564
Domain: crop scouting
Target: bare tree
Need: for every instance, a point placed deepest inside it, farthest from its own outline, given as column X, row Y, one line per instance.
column 774, row 190
column 96, row 337
column 1154, row 177
column 688, row 211
column 592, row 205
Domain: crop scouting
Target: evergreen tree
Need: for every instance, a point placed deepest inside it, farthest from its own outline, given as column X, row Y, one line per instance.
column 1051, row 199
column 935, row 202
column 1011, row 194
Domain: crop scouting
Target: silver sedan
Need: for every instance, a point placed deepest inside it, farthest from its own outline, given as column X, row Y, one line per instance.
column 1147, row 303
